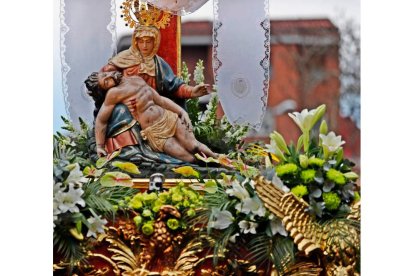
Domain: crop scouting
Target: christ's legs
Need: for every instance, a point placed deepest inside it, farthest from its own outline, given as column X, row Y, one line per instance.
column 187, row 139
column 173, row 148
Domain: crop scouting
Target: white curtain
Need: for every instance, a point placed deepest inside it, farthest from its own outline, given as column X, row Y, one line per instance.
column 178, row 7
column 241, row 45
column 87, row 40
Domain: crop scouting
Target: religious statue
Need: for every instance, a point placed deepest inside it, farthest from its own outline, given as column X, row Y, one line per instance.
column 165, row 125
column 152, row 145
column 141, row 60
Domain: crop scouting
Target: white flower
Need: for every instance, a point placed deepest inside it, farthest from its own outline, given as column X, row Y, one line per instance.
column 96, row 225
column 248, row 226
column 307, row 119
column 67, row 200
column 273, row 148
column 279, row 184
column 75, row 175
column 57, row 187
column 221, row 219
column 303, row 119
column 276, row 226
column 331, row 143
column 56, row 211
column 238, row 191
column 233, row 238
column 252, row 184
column 251, row 205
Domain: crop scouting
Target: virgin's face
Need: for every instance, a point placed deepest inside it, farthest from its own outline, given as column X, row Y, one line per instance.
column 145, row 45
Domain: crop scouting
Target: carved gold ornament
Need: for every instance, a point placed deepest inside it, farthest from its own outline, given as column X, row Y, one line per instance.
column 136, row 14
column 338, row 239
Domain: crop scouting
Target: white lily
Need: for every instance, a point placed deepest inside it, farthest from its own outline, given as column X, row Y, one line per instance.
column 221, row 219
column 331, row 143
column 304, row 119
column 279, row 184
column 251, row 205
column 67, row 201
column 76, row 176
column 233, row 237
column 276, row 226
column 238, row 191
column 248, row 226
column 57, row 187
column 96, row 225
column 56, row 211
column 273, row 148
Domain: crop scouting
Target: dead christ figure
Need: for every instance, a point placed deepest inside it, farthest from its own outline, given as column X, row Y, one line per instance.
column 165, row 125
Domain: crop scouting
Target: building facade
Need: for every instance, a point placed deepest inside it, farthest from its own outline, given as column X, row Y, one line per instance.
column 304, row 73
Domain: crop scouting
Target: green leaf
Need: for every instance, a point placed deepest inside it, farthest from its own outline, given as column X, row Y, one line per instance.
column 126, row 166
column 79, row 226
column 210, row 187
column 92, row 171
column 351, row 175
column 300, row 143
column 339, row 155
column 112, row 179
column 105, row 159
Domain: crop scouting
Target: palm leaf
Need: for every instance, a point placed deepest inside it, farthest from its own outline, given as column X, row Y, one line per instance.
column 69, row 248
column 278, row 250
column 103, row 198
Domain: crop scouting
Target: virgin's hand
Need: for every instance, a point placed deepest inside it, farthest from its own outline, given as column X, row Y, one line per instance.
column 200, row 90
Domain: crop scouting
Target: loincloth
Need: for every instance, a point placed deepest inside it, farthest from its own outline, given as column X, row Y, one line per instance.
column 160, row 131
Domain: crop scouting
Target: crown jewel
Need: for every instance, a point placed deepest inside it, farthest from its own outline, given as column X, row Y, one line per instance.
column 139, row 13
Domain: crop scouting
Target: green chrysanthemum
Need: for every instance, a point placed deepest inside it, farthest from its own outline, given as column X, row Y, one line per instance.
column 138, row 221
column 147, row 213
column 157, row 205
column 314, row 161
column 147, row 228
column 191, row 213
column 308, row 175
column 300, row 190
column 135, row 203
column 336, row 176
column 177, row 197
column 288, row 168
column 149, row 198
column 163, row 197
column 332, row 200
column 173, row 224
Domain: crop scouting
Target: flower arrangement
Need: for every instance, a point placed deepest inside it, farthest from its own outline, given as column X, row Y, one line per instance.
column 145, row 207
column 235, row 217
column 315, row 169
column 219, row 134
column 228, row 212
column 83, row 196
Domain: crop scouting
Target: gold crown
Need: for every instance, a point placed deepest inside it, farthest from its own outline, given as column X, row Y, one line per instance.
column 137, row 13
